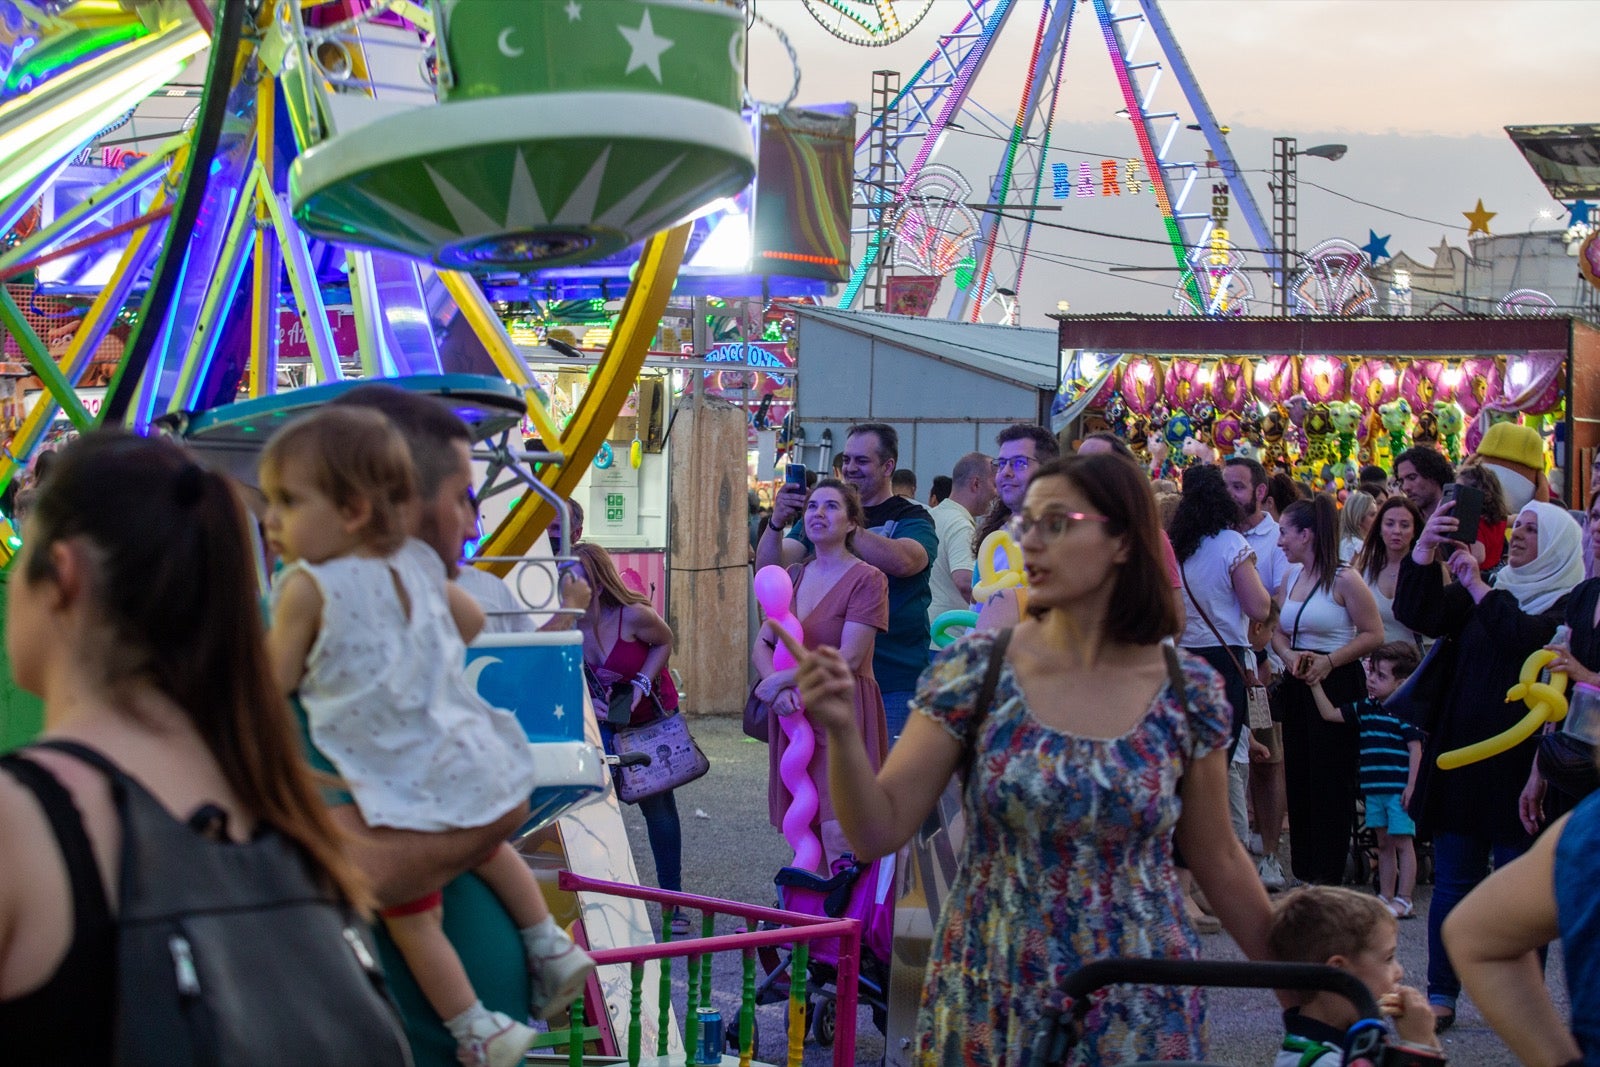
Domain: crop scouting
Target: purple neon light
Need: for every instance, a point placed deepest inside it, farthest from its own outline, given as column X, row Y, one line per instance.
column 955, row 97
column 1017, row 133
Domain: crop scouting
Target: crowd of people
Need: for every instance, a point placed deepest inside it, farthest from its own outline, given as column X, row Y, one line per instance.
column 1194, row 672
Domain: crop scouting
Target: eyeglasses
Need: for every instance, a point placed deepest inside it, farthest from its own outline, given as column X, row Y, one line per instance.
column 1016, row 463
column 1050, row 525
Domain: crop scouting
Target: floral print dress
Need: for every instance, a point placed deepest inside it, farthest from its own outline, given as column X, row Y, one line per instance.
column 1067, row 860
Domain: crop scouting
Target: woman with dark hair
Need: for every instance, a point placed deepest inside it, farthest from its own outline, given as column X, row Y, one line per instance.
column 1474, row 812
column 1083, row 766
column 1222, row 592
column 1393, row 534
column 626, row 643
column 1329, row 622
column 134, row 612
column 841, row 602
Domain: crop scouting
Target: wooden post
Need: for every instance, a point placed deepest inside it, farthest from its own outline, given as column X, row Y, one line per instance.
column 709, row 575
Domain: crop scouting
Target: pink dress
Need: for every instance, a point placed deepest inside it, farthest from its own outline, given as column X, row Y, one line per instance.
column 860, row 595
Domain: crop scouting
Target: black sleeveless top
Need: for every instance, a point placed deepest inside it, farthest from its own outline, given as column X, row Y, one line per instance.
column 67, row 1021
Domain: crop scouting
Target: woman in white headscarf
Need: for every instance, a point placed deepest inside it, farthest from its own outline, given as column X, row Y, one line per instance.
column 1472, row 811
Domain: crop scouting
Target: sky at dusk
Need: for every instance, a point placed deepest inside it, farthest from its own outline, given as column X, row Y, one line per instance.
column 1418, row 90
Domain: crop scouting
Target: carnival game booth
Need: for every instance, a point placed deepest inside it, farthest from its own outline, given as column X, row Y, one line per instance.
column 1320, row 396
column 947, row 387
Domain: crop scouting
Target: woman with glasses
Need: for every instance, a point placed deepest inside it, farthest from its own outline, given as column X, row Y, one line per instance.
column 1328, row 624
column 1083, row 765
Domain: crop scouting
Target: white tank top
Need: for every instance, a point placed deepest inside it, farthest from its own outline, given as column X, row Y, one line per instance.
column 388, row 702
column 1316, row 624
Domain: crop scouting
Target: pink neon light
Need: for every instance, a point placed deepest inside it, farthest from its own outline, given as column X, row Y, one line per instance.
column 955, row 97
column 1017, row 133
column 1131, row 101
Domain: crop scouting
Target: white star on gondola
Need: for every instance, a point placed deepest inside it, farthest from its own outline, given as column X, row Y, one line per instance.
column 560, row 712
column 574, row 12
column 646, row 46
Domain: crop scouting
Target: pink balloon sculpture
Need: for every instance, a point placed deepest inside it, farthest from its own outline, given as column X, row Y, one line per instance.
column 774, row 591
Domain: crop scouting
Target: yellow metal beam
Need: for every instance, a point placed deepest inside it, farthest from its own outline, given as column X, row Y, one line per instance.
column 497, row 342
column 602, row 401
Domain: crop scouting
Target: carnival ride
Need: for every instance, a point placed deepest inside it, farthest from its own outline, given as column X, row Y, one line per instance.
column 909, row 123
column 388, row 147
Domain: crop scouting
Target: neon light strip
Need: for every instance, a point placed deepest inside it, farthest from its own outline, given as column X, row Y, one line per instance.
column 1044, row 151
column 1152, row 165
column 916, row 78
column 1018, row 131
column 957, row 94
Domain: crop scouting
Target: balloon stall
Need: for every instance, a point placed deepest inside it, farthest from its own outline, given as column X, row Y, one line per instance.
column 1320, row 417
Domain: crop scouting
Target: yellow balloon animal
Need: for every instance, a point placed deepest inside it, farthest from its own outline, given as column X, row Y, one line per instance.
column 1000, row 568
column 1546, row 701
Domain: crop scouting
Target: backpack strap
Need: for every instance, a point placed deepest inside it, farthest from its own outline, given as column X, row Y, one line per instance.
column 980, row 707
column 85, row 754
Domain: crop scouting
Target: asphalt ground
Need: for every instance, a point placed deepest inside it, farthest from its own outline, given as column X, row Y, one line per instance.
column 732, row 852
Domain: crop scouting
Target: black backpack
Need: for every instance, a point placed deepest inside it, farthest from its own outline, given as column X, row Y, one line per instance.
column 230, row 954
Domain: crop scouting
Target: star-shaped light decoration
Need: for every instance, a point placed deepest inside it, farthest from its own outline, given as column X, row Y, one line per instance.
column 646, row 46
column 1376, row 247
column 1578, row 213
column 1479, row 219
column 574, row 11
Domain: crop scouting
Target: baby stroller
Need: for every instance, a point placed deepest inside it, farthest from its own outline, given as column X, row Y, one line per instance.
column 855, row 890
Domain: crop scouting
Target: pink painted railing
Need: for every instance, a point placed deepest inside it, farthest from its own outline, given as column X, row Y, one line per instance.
column 793, row 929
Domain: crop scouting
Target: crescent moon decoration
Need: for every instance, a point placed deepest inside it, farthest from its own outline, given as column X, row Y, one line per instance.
column 505, row 44
column 474, row 671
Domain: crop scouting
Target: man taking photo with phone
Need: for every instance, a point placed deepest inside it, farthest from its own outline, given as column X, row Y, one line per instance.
column 900, row 540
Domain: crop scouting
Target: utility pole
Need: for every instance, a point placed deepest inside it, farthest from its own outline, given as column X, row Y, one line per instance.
column 1285, row 217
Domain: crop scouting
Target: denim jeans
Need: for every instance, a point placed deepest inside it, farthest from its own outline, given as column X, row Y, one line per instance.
column 662, row 827
column 1460, row 862
column 897, row 711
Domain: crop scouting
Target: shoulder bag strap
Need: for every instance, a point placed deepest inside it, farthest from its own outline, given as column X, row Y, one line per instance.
column 991, row 679
column 1182, row 574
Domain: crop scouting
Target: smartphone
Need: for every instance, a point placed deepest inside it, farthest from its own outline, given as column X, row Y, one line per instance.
column 794, row 475
column 1467, row 512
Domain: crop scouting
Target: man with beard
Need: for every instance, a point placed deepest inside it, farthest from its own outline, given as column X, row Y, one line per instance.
column 900, row 540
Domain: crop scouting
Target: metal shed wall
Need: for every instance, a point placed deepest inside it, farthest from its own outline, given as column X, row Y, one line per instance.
column 941, row 409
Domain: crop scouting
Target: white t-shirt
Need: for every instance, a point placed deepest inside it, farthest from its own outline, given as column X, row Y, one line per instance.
column 388, row 702
column 496, row 599
column 1208, row 579
column 1271, row 563
column 954, row 525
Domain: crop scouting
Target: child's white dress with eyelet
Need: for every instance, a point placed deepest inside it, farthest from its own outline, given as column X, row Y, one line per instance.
column 387, row 700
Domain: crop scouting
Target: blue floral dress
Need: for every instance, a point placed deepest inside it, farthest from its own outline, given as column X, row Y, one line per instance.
column 1067, row 860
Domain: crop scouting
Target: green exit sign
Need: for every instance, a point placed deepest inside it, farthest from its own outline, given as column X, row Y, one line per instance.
column 615, row 503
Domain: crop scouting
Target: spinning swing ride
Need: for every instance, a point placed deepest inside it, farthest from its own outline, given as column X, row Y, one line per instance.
column 394, row 147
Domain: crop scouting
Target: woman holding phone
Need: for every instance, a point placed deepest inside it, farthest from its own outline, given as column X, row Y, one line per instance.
column 1472, row 811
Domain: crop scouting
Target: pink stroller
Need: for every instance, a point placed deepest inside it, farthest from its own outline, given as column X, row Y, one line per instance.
column 863, row 891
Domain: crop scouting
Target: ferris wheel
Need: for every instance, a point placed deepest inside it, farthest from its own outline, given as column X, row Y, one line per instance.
column 401, row 151
column 1163, row 104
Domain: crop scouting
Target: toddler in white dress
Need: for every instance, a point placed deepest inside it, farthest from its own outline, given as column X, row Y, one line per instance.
column 370, row 635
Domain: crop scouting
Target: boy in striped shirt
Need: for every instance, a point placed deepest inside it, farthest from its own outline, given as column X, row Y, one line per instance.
column 1391, row 752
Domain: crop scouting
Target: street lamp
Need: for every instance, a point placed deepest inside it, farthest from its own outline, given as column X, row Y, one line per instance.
column 1285, row 206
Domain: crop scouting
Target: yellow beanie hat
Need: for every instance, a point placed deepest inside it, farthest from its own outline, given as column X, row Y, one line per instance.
column 1513, row 443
